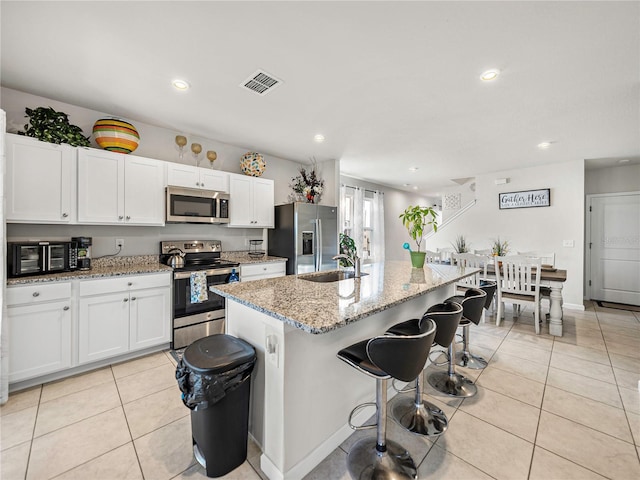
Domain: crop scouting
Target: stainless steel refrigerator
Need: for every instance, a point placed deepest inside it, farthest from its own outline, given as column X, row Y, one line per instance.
column 307, row 235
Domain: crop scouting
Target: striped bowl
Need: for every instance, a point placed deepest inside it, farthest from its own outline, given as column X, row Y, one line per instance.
column 116, row 135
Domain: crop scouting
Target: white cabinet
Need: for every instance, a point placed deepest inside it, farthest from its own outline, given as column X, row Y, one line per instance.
column 251, row 202
column 188, row 176
column 115, row 188
column 123, row 314
column 39, row 319
column 259, row 271
column 40, row 181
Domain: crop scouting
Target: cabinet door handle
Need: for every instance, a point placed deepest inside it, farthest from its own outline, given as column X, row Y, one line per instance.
column 65, row 308
column 129, row 283
column 125, row 300
column 36, row 294
column 65, row 215
column 120, row 217
column 128, row 217
column 133, row 299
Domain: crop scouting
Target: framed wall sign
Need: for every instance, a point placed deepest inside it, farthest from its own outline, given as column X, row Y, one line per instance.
column 525, row 199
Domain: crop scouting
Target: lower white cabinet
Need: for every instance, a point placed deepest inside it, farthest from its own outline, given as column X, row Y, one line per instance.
column 39, row 319
column 259, row 271
column 120, row 315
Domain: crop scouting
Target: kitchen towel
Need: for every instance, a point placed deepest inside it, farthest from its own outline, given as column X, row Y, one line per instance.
column 199, row 292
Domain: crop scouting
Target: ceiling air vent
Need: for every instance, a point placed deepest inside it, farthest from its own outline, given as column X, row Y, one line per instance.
column 261, row 82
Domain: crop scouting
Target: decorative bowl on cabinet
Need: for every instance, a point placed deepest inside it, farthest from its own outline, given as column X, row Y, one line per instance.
column 116, row 135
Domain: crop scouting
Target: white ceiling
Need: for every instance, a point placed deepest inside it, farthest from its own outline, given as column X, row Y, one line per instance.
column 391, row 85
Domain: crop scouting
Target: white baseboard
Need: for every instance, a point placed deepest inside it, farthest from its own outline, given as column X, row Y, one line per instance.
column 573, row 306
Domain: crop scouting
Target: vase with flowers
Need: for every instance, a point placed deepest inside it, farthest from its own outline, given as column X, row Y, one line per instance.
column 307, row 185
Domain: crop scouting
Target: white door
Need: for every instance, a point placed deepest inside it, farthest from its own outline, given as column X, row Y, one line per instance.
column 103, row 326
column 615, row 248
column 150, row 321
column 100, row 187
column 214, row 180
column 241, row 202
column 263, row 200
column 180, row 175
column 143, row 191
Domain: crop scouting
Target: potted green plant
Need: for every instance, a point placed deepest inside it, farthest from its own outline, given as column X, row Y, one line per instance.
column 348, row 248
column 416, row 219
column 460, row 245
column 499, row 249
column 47, row 125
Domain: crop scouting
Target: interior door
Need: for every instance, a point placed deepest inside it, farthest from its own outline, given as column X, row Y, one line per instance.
column 615, row 248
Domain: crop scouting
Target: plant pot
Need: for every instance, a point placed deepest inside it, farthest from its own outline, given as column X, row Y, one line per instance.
column 417, row 259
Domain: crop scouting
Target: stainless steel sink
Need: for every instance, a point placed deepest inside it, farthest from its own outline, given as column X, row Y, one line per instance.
column 331, row 276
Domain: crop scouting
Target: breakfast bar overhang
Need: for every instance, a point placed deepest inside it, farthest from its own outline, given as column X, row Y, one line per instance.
column 302, row 393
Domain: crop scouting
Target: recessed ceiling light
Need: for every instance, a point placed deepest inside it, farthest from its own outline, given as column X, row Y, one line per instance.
column 415, row 187
column 623, row 160
column 490, row 75
column 405, row 184
column 319, row 138
column 179, row 84
column 544, row 145
column 413, row 169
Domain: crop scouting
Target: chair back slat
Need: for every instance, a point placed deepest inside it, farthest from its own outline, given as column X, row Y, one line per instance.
column 518, row 274
column 432, row 257
column 471, row 260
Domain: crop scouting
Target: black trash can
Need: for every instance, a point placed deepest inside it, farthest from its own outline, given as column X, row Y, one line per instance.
column 214, row 376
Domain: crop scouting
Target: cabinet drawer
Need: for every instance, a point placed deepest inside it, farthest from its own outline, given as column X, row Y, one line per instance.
column 271, row 269
column 123, row 284
column 25, row 294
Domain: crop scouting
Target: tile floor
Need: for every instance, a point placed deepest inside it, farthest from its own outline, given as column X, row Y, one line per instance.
column 547, row 408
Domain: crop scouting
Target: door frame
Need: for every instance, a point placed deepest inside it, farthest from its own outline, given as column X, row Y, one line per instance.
column 587, row 236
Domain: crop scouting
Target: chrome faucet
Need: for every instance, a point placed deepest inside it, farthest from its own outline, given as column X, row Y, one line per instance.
column 355, row 262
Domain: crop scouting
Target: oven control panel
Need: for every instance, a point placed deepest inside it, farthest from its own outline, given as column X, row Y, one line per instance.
column 191, row 246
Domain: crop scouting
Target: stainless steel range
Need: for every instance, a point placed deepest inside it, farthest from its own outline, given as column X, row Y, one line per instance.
column 199, row 267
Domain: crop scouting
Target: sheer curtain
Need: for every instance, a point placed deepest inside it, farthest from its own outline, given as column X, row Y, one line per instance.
column 357, row 232
column 377, row 247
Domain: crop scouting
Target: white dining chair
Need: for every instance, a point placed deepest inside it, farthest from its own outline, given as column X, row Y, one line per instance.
column 485, row 251
column 432, row 257
column 445, row 254
column 471, row 260
column 548, row 259
column 518, row 281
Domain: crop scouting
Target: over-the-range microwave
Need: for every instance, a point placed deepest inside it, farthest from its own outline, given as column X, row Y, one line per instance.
column 192, row 205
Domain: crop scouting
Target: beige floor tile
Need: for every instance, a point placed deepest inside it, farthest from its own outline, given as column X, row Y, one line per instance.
column 440, row 464
column 166, row 452
column 504, row 412
column 13, row 461
column 619, row 322
column 608, row 329
column 120, row 464
column 587, row 412
column 633, row 341
column 587, row 447
column 627, row 379
column 141, row 384
column 17, row 427
column 548, row 466
column 585, row 353
column 510, row 363
column 585, row 387
column 465, row 430
column 631, row 400
column 479, row 339
column 524, row 351
column 333, row 467
column 625, row 363
column 514, row 386
column 491, row 329
column 20, row 400
column 154, row 411
column 597, row 371
column 579, row 323
column 139, row 364
column 59, row 388
column 74, row 407
column 595, row 342
column 170, row 357
column 243, row 472
column 529, row 329
column 623, row 349
column 76, row 444
column 634, row 422
column 537, row 341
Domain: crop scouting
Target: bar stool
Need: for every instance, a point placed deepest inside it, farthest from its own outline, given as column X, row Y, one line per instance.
column 384, row 357
column 473, row 303
column 415, row 413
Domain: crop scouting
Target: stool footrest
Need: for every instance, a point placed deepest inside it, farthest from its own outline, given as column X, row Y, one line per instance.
column 356, row 410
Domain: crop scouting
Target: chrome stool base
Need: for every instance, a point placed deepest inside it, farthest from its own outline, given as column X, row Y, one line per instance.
column 452, row 384
column 469, row 360
column 423, row 418
column 366, row 463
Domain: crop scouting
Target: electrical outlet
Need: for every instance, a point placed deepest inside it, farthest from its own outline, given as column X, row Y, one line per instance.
column 119, row 242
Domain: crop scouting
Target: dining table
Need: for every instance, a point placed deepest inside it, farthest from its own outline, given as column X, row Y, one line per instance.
column 553, row 278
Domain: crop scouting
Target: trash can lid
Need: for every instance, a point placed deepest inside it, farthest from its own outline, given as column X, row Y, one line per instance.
column 217, row 353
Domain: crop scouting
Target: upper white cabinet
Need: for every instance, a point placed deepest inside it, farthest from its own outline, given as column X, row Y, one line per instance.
column 40, row 181
column 114, row 188
column 188, row 176
column 251, row 202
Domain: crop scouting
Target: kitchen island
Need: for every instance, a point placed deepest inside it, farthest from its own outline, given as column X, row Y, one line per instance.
column 301, row 393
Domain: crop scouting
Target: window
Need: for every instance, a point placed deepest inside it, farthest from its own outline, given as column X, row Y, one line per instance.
column 359, row 210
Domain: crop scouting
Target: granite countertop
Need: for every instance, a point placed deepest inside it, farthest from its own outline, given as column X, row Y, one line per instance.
column 101, row 267
column 321, row 307
column 245, row 258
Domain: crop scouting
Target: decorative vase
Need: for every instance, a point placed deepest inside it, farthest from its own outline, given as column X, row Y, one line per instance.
column 417, row 259
column 116, row 135
column 252, row 164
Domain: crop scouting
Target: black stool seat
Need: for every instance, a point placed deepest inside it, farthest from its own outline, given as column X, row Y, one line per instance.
column 473, row 303
column 383, row 357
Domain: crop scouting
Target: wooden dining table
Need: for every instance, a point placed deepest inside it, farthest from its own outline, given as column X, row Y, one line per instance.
column 553, row 278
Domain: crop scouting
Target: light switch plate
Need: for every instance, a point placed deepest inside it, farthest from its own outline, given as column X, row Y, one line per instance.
column 568, row 243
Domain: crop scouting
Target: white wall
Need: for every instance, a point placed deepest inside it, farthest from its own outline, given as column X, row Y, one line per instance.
column 543, row 228
column 395, row 202
column 612, row 180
